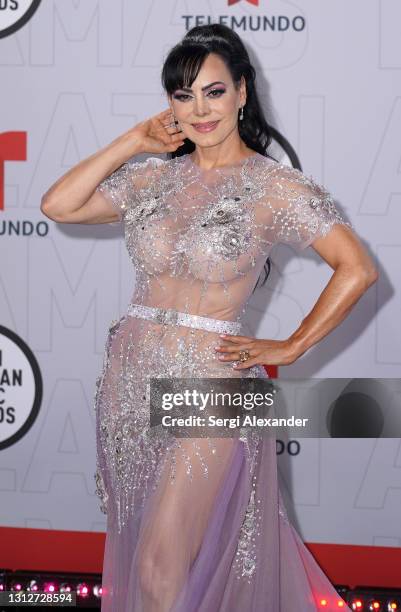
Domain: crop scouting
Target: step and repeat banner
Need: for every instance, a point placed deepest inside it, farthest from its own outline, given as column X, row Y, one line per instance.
column 75, row 75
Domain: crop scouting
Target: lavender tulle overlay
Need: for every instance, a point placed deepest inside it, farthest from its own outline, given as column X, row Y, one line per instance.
column 220, row 543
column 198, row 525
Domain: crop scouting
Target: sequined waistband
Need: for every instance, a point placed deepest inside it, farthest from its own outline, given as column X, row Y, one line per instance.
column 168, row 316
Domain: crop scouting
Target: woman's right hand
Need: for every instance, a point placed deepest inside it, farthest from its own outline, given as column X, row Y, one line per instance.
column 158, row 134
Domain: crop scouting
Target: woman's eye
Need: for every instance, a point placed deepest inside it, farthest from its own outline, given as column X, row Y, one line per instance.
column 218, row 91
column 180, row 96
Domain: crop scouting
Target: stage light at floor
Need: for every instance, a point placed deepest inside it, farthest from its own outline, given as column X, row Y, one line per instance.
column 32, row 586
column 90, row 592
column 49, row 587
column 16, row 586
column 82, row 589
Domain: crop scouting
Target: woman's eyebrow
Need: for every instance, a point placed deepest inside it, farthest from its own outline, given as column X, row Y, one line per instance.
column 203, row 88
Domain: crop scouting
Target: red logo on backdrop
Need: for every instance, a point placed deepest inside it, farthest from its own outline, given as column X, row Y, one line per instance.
column 255, row 2
column 12, row 148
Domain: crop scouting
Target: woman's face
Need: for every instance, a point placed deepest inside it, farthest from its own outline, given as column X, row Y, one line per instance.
column 211, row 98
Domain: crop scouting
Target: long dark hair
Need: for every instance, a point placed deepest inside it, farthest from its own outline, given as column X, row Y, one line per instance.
column 182, row 65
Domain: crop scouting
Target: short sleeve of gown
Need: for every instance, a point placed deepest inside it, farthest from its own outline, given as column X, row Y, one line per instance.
column 126, row 186
column 300, row 210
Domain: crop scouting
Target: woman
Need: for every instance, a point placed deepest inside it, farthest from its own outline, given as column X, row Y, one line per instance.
column 198, row 524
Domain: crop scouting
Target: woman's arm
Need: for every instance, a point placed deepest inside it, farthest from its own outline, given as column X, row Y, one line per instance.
column 73, row 198
column 354, row 273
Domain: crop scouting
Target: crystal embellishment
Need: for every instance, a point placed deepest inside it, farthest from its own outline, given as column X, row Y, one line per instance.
column 167, row 317
column 245, row 558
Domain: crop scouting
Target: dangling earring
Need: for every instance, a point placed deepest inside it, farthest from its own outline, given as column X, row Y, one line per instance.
column 241, row 116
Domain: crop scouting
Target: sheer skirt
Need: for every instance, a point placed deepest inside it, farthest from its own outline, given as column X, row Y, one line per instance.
column 193, row 524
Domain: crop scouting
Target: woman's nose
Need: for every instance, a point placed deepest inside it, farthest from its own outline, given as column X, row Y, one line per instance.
column 201, row 107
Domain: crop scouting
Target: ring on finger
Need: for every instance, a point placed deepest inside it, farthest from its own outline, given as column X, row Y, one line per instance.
column 172, row 125
column 244, row 355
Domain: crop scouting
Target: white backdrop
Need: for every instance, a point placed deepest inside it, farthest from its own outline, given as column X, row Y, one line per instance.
column 78, row 74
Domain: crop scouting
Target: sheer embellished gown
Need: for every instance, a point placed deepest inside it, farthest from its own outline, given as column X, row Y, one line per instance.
column 198, row 524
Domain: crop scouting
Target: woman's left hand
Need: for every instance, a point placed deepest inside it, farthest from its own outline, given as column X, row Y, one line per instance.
column 263, row 352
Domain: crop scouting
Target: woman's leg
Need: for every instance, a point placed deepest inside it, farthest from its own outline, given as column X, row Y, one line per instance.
column 175, row 520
